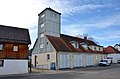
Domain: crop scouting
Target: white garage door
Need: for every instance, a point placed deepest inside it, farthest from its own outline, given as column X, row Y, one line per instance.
column 64, row 60
column 89, row 60
column 78, row 60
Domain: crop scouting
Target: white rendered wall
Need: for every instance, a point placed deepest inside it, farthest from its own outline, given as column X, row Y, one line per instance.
column 115, row 57
column 14, row 67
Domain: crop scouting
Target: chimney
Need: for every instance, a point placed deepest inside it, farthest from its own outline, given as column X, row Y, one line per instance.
column 85, row 38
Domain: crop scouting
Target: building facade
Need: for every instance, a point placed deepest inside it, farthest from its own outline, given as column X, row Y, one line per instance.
column 14, row 50
column 53, row 50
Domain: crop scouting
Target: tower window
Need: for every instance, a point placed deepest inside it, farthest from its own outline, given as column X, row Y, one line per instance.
column 42, row 35
column 53, row 15
column 41, row 45
column 43, row 15
column 42, row 25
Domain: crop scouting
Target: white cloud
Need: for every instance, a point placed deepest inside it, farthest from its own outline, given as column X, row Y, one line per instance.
column 74, row 29
column 24, row 13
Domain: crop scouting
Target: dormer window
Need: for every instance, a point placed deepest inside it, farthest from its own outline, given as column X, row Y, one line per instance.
column 94, row 47
column 74, row 44
column 84, row 45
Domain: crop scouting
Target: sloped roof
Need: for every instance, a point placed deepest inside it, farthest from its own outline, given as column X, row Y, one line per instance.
column 49, row 9
column 68, row 38
column 111, row 49
column 14, row 35
column 62, row 43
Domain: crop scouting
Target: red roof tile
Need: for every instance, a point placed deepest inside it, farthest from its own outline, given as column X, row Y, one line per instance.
column 111, row 49
column 62, row 43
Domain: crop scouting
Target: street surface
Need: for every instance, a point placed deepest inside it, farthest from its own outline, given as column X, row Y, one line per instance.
column 109, row 72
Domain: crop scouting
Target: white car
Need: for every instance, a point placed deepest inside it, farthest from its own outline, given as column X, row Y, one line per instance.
column 105, row 62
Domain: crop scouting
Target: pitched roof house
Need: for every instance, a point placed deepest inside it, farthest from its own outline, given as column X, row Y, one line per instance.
column 14, row 50
column 113, row 53
column 13, row 39
column 117, row 46
column 111, row 50
column 53, row 50
column 67, row 43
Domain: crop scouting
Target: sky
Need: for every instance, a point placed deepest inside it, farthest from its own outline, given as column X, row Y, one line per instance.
column 98, row 18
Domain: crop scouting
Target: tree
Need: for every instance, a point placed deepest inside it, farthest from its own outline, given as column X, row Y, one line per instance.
column 89, row 37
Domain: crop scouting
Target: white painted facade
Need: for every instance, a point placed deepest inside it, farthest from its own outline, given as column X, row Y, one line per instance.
column 14, row 66
column 74, row 59
column 115, row 57
column 49, row 24
column 117, row 47
column 67, row 60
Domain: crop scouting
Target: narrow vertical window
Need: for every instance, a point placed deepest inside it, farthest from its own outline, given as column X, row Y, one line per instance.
column 15, row 48
column 42, row 35
column 1, row 46
column 43, row 15
column 48, row 56
column 1, row 63
column 42, row 25
column 41, row 46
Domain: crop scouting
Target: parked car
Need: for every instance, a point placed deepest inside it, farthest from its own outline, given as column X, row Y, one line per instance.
column 105, row 62
column 118, row 61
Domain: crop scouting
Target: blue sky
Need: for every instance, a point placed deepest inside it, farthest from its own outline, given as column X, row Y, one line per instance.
column 98, row 18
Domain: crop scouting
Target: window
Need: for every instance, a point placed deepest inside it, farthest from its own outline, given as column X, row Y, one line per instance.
column 48, row 56
column 15, row 48
column 74, row 44
column 41, row 45
column 53, row 15
column 1, row 63
column 42, row 35
column 43, row 15
column 1, row 46
column 99, row 48
column 94, row 47
column 85, row 47
column 42, row 25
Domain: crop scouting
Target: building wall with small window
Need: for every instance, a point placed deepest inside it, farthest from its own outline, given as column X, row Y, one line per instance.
column 43, row 60
column 117, row 47
column 10, row 66
column 13, row 51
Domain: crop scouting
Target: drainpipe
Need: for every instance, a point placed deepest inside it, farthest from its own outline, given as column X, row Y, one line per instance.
column 57, row 60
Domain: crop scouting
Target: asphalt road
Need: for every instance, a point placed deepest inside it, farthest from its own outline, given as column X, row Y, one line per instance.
column 109, row 72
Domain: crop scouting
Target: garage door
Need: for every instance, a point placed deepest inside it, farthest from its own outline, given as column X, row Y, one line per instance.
column 78, row 61
column 89, row 60
column 64, row 60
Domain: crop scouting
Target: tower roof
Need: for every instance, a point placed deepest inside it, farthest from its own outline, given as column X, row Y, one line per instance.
column 49, row 9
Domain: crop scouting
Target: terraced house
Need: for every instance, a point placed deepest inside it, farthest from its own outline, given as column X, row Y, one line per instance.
column 13, row 50
column 53, row 50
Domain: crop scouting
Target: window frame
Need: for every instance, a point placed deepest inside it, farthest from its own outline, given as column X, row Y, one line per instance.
column 42, row 25
column 2, row 63
column 42, row 16
column 15, row 49
column 74, row 44
column 2, row 46
column 41, row 46
column 41, row 35
column 48, row 56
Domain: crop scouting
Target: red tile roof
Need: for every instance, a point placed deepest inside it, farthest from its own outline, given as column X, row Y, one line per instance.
column 111, row 49
column 62, row 43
